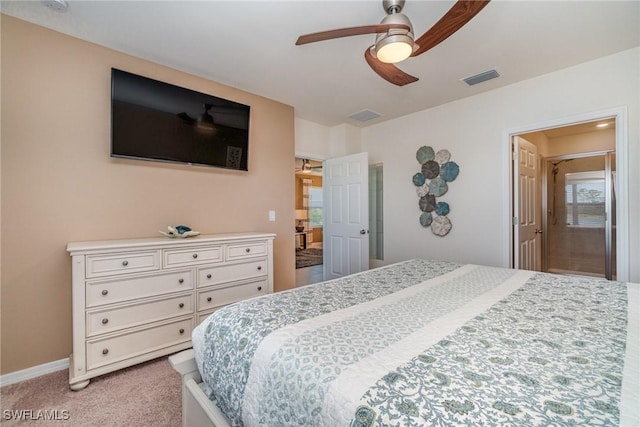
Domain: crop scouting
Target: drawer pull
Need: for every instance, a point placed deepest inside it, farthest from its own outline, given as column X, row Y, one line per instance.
column 208, row 299
column 181, row 331
column 105, row 292
column 209, row 276
column 247, row 250
column 181, row 305
column 259, row 267
column 259, row 288
column 105, row 321
column 181, row 281
column 195, row 256
column 105, row 351
column 125, row 262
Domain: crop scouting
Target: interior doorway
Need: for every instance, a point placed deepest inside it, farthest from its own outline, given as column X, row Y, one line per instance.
column 309, row 210
column 584, row 221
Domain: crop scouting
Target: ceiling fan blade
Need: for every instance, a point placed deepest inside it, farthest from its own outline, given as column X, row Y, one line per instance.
column 347, row 32
column 461, row 13
column 187, row 118
column 389, row 72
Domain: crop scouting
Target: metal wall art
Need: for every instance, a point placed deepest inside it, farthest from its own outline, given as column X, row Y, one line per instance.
column 437, row 171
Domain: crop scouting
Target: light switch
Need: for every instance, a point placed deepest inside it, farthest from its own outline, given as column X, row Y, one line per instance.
column 272, row 215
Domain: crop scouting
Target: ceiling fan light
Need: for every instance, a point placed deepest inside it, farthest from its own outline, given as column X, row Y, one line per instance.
column 205, row 120
column 394, row 48
column 306, row 167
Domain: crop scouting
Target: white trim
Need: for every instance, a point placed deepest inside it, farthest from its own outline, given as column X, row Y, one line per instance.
column 34, row 372
column 311, row 156
column 622, row 172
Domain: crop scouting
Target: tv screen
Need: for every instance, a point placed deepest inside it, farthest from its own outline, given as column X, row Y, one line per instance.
column 152, row 120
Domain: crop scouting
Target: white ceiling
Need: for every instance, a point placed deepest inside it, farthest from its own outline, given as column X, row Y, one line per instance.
column 250, row 45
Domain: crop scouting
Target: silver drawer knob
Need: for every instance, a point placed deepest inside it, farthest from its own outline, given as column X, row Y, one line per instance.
column 125, row 262
column 209, row 276
column 195, row 256
column 181, row 305
column 105, row 292
column 105, row 321
column 208, row 299
column 180, row 281
column 105, row 351
column 181, row 331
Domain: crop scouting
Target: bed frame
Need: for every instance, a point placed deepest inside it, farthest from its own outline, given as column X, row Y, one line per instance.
column 197, row 409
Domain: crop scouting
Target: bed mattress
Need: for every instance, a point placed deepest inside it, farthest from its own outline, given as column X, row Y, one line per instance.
column 427, row 342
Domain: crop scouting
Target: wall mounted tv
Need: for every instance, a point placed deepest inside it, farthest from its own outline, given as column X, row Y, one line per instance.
column 152, row 120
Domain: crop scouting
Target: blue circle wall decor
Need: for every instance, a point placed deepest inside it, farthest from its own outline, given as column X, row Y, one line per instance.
column 432, row 181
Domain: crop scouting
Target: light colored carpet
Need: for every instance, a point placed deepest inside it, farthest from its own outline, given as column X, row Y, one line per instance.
column 148, row 394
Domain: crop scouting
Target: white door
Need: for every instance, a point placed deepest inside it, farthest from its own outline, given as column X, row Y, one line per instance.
column 345, row 182
column 527, row 222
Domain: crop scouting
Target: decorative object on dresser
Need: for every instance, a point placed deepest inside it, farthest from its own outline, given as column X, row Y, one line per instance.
column 179, row 231
column 138, row 299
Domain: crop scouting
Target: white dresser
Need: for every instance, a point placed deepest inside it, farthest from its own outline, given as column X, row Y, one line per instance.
column 138, row 299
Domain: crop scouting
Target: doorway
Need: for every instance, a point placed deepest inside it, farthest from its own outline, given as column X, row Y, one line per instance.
column 308, row 215
column 580, row 222
column 594, row 195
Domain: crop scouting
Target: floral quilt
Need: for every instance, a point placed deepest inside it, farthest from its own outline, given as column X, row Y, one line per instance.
column 428, row 343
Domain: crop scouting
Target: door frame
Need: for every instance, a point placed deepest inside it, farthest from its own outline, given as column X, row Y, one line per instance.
column 619, row 114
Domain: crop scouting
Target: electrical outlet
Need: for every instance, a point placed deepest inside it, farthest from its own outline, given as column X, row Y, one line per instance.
column 272, row 215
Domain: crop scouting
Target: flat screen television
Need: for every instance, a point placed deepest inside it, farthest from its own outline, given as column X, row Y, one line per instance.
column 153, row 120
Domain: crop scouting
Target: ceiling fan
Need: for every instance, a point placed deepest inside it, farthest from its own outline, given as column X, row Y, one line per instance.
column 395, row 39
column 204, row 120
column 306, row 167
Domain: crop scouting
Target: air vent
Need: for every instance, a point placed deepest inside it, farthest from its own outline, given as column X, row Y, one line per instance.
column 365, row 115
column 482, row 77
column 57, row 5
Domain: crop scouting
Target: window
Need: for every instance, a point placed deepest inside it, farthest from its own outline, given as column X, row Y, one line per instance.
column 585, row 198
column 315, row 207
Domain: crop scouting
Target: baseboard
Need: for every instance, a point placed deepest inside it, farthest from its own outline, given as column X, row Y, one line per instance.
column 34, row 372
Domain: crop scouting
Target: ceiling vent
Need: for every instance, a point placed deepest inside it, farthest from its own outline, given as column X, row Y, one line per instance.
column 57, row 5
column 482, row 77
column 365, row 115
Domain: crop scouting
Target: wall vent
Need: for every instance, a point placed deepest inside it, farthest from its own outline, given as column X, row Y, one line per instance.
column 482, row 77
column 365, row 116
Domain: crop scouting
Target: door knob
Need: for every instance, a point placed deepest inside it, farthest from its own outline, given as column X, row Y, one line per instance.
column 363, row 231
column 538, row 231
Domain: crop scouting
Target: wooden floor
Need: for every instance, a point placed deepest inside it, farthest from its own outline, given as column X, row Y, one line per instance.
column 308, row 275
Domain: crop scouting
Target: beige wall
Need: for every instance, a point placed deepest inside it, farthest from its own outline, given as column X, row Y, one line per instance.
column 59, row 183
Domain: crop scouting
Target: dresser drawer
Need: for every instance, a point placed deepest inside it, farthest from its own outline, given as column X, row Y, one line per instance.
column 246, row 250
column 110, row 350
column 192, row 256
column 128, row 288
column 132, row 262
column 228, row 273
column 127, row 316
column 219, row 296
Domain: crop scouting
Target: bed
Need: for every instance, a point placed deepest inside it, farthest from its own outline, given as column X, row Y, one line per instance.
column 421, row 342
